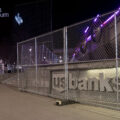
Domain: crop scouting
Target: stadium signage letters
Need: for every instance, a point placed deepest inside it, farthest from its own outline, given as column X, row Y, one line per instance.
column 2, row 14
column 99, row 83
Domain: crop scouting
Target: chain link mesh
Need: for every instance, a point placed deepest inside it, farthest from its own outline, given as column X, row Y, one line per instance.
column 92, row 50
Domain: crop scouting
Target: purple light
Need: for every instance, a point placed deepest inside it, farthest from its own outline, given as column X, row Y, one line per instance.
column 86, row 29
column 88, row 38
column 101, row 25
column 98, row 15
column 96, row 18
column 74, row 55
column 117, row 12
column 105, row 22
column 110, row 18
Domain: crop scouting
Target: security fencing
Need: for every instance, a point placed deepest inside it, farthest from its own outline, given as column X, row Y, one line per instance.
column 1, row 68
column 78, row 62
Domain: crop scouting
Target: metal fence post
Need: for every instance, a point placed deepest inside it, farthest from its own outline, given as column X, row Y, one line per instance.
column 116, row 46
column 66, row 61
column 36, row 67
column 18, row 79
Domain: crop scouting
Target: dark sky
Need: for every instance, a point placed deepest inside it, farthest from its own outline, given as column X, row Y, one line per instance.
column 64, row 13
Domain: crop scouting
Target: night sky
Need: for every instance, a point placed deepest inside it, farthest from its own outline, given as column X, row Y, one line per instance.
column 64, row 13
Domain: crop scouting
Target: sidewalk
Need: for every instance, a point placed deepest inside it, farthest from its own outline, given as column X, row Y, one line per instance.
column 16, row 105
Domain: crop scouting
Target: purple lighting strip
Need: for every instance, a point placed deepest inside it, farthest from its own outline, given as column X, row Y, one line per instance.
column 96, row 18
column 110, row 18
column 86, row 29
column 89, row 38
column 104, row 23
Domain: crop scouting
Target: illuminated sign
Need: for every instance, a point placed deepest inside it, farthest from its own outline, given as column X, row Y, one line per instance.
column 2, row 14
column 18, row 19
column 86, row 80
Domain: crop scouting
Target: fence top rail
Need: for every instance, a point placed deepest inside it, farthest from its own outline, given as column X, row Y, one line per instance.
column 50, row 33
column 39, row 36
column 84, row 21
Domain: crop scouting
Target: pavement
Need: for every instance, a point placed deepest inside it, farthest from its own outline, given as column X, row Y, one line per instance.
column 16, row 105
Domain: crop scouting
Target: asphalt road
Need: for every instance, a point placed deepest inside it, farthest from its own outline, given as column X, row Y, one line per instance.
column 16, row 105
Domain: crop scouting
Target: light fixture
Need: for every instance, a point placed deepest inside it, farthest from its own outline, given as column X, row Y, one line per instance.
column 30, row 49
column 18, row 19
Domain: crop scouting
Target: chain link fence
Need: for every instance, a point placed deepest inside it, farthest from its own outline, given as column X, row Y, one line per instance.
column 79, row 62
